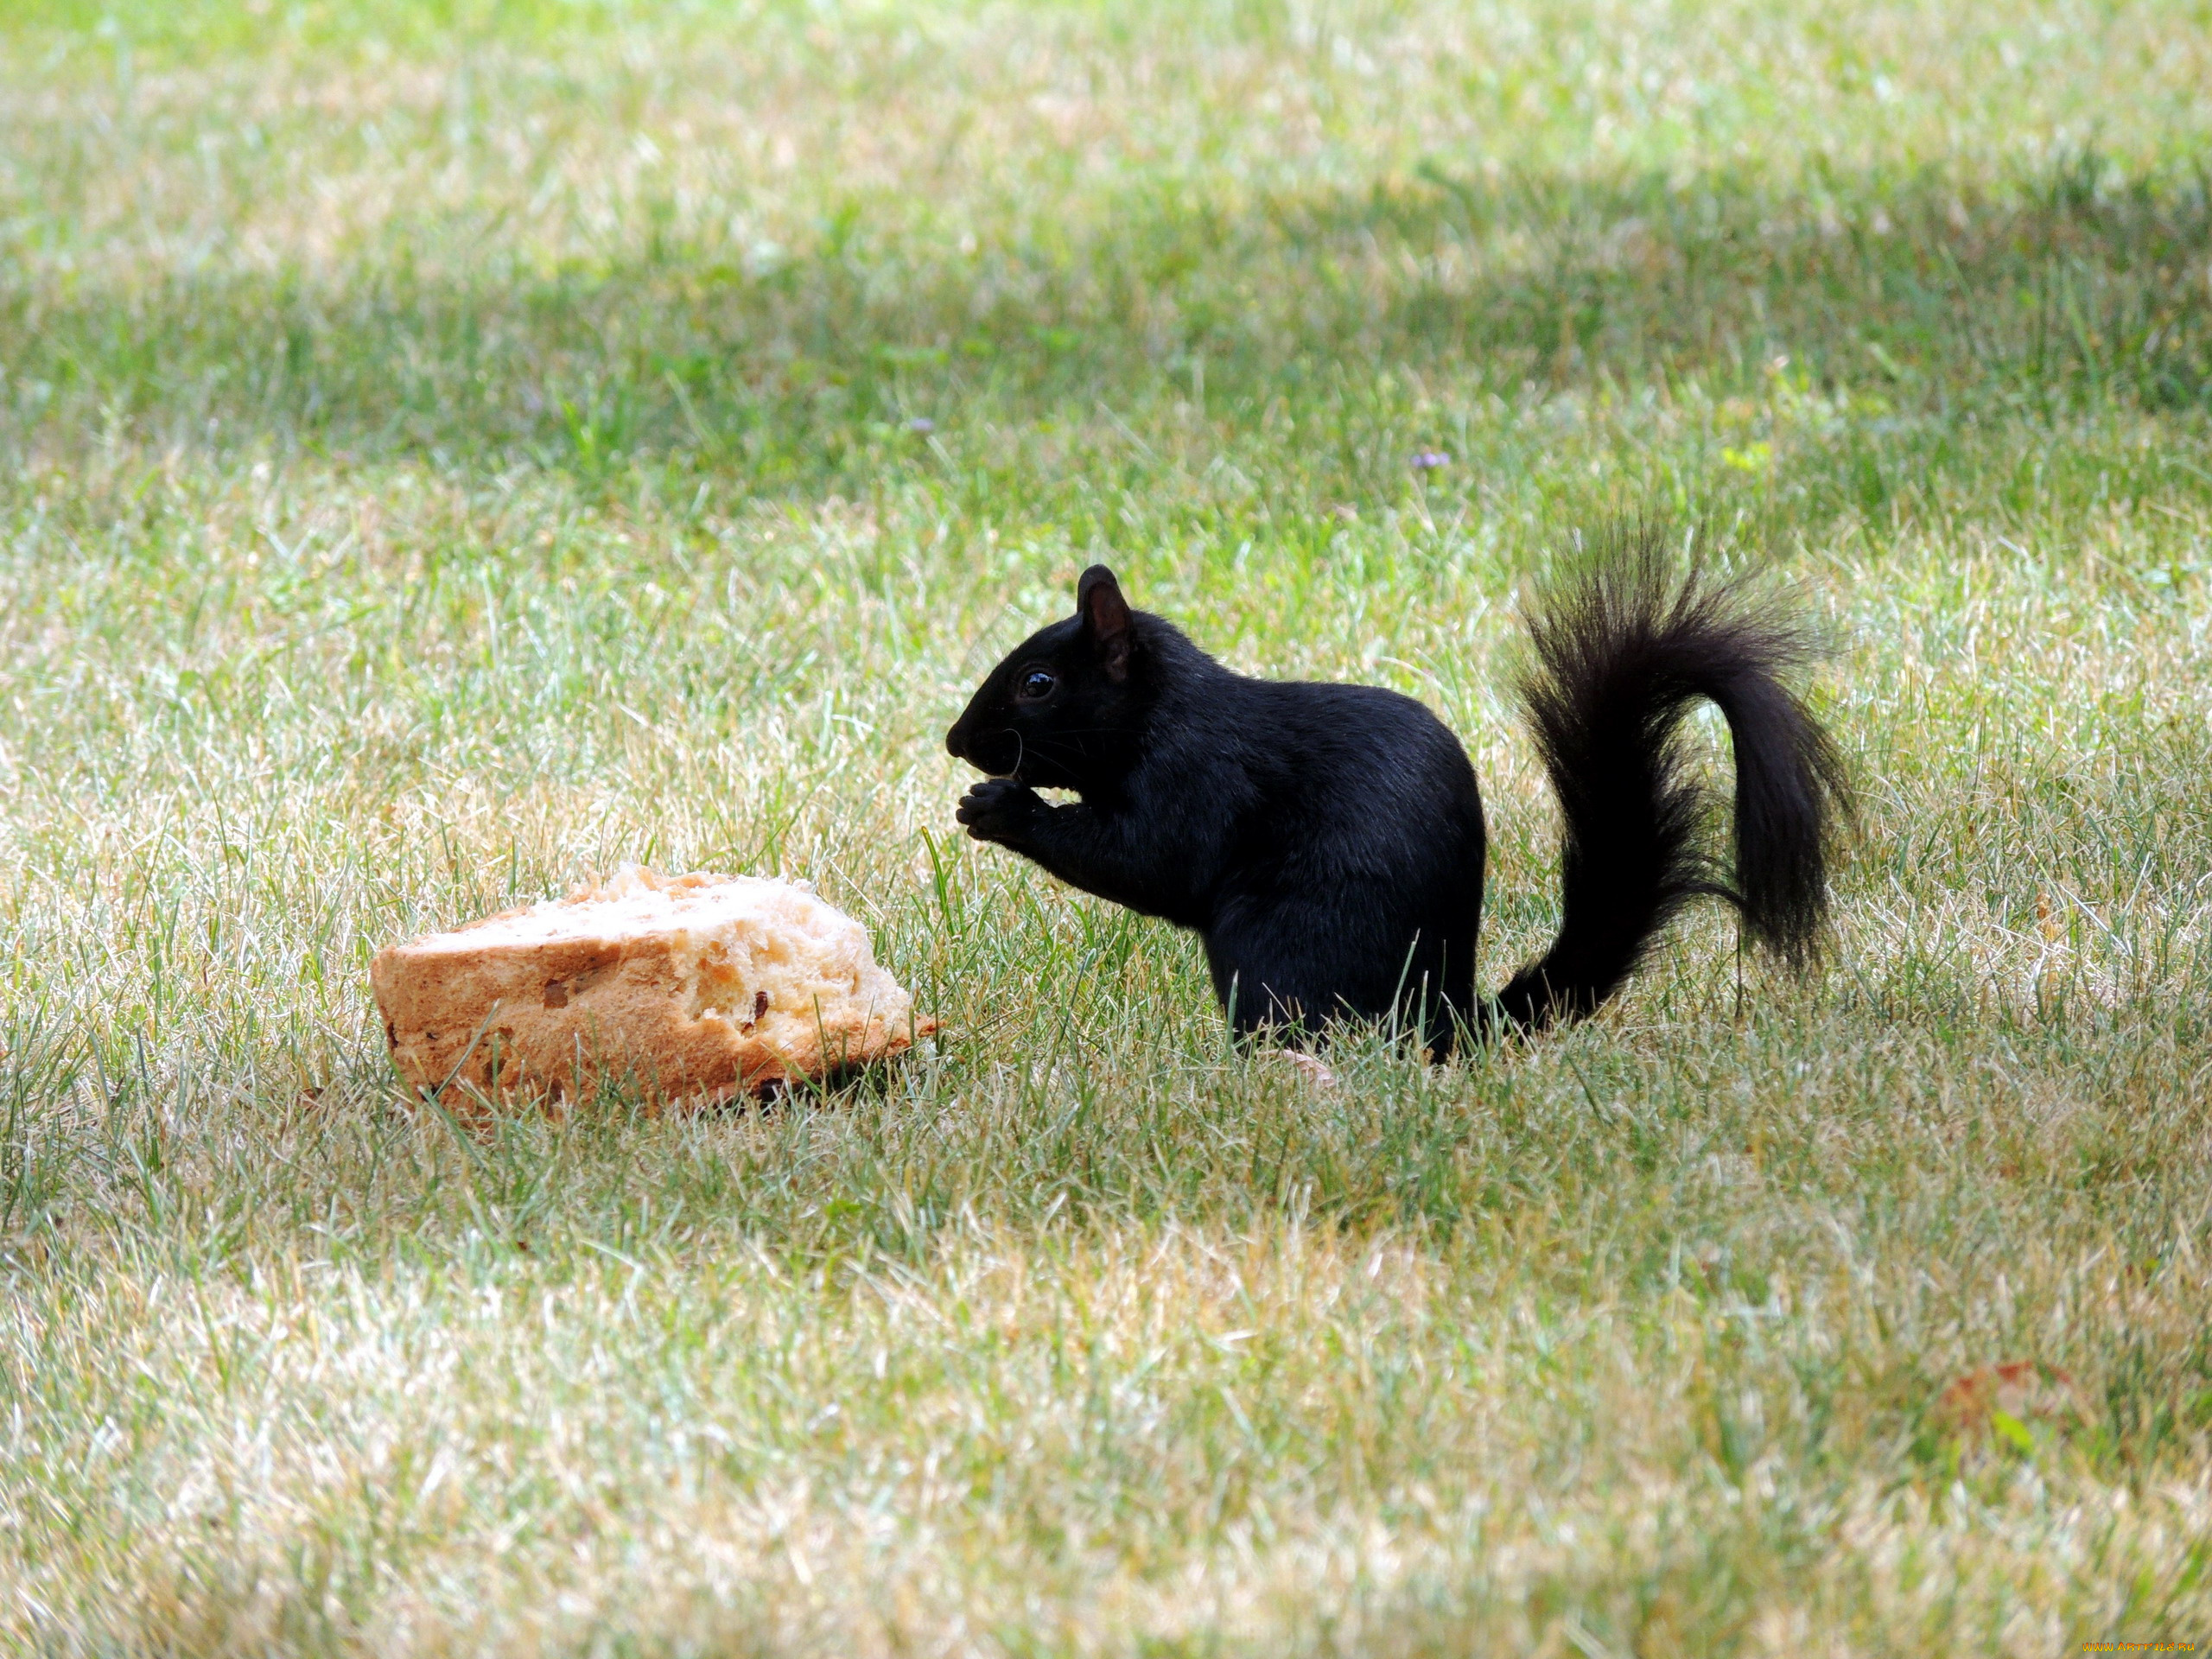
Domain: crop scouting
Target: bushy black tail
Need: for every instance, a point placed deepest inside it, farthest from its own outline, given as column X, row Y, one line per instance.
column 1622, row 650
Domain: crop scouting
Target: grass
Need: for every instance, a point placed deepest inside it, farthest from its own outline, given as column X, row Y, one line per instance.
column 447, row 448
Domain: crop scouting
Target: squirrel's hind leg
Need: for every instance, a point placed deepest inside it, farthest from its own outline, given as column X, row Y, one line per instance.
column 1271, row 996
column 1290, row 975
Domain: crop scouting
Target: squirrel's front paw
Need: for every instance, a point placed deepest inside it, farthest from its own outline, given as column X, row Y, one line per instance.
column 998, row 809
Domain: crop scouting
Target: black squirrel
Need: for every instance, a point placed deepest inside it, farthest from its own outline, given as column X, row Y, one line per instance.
column 1326, row 840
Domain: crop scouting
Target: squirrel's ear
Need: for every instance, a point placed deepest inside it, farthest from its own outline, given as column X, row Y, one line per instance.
column 1105, row 616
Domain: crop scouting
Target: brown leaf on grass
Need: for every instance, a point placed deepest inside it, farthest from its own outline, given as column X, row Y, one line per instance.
column 2017, row 1390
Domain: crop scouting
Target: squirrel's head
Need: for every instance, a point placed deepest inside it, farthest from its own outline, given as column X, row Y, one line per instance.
column 1063, row 711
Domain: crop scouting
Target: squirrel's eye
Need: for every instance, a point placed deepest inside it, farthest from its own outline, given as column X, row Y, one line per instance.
column 1037, row 684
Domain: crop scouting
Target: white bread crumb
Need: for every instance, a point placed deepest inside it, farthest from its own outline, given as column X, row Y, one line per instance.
column 690, row 987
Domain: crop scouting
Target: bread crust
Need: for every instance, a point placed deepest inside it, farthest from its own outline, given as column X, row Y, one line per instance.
column 688, row 989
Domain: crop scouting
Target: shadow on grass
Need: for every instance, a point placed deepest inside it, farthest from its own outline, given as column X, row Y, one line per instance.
column 2077, row 284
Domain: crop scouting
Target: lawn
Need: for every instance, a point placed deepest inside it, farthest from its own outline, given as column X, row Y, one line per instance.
column 449, row 449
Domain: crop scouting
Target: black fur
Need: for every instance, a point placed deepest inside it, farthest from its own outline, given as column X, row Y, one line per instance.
column 1326, row 840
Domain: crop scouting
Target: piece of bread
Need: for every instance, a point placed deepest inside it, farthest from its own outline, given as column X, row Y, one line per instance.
column 687, row 987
